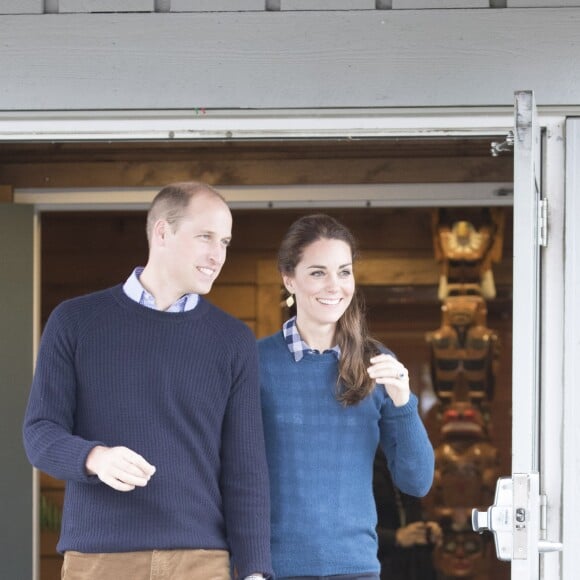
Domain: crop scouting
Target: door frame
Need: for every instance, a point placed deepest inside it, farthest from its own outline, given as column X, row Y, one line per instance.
column 453, row 122
column 571, row 434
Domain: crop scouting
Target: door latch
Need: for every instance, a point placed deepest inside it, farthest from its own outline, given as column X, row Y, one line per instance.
column 515, row 518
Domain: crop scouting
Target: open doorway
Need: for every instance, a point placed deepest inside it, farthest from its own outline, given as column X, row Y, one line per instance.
column 84, row 251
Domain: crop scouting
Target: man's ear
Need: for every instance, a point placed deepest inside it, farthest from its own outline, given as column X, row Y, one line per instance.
column 160, row 231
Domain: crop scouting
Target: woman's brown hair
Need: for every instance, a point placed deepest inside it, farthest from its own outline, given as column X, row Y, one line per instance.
column 352, row 336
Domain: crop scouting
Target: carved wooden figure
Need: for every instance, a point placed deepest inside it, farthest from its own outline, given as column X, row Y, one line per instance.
column 466, row 254
column 466, row 463
column 463, row 555
column 464, row 351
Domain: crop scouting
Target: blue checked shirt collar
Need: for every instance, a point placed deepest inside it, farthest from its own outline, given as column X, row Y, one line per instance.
column 295, row 343
column 134, row 290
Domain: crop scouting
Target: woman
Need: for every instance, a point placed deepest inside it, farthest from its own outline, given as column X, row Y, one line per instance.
column 330, row 394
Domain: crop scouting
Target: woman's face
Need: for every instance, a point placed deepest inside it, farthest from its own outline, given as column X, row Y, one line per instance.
column 323, row 282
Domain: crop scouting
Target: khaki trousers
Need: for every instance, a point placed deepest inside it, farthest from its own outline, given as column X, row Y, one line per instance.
column 150, row 565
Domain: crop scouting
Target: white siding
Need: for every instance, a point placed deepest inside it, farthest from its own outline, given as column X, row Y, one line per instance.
column 164, row 6
column 259, row 60
column 327, row 4
column 438, row 4
column 21, row 6
column 65, row 6
column 541, row 3
column 216, row 5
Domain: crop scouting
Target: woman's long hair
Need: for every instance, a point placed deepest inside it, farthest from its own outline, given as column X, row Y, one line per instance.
column 356, row 345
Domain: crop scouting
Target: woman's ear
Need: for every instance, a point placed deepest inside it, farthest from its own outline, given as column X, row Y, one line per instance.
column 288, row 284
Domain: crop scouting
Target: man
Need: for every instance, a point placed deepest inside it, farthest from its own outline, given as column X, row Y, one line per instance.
column 145, row 401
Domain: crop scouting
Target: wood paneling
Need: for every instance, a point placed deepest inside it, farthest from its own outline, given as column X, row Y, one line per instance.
column 50, row 567
column 238, row 300
column 6, row 194
column 325, row 162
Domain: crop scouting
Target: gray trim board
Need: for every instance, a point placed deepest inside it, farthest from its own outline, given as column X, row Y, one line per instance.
column 16, row 348
column 275, row 59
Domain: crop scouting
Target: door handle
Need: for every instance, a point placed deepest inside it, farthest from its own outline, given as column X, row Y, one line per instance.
column 498, row 519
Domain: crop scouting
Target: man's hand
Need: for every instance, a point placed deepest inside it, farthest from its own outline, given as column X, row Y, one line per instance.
column 119, row 467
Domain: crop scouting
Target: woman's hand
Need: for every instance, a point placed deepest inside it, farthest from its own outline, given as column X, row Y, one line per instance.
column 389, row 372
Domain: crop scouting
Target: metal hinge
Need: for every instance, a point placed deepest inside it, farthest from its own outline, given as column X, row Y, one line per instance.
column 543, row 223
column 498, row 147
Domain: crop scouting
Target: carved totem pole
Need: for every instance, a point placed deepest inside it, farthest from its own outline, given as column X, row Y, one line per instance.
column 464, row 364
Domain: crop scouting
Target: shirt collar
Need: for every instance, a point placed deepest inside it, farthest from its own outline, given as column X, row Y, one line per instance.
column 297, row 346
column 135, row 290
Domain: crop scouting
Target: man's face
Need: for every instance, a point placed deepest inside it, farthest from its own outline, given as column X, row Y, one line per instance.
column 195, row 248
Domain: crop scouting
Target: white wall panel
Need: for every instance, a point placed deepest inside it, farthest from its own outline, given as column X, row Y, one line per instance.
column 216, row 5
column 21, row 6
column 438, row 4
column 571, row 433
column 73, row 6
column 259, row 60
column 327, row 4
column 542, row 3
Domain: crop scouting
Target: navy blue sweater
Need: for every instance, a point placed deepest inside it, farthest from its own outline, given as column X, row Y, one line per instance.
column 320, row 459
column 181, row 389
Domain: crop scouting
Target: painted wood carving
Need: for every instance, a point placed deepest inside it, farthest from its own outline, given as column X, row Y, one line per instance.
column 464, row 364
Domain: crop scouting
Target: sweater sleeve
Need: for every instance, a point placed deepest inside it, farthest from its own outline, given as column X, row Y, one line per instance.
column 244, row 478
column 49, row 419
column 406, row 445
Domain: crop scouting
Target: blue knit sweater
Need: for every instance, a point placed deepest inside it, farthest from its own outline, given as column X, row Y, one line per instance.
column 320, row 458
column 181, row 389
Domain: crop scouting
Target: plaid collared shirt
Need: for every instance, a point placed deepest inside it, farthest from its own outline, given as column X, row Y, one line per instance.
column 295, row 343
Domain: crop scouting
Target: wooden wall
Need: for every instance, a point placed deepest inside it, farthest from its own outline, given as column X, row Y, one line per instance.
column 56, row 166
